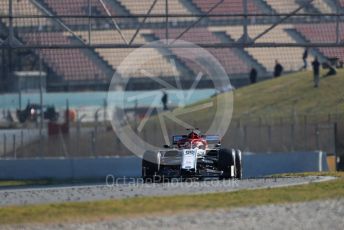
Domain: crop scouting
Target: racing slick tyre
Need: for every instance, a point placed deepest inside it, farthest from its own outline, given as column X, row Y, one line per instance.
column 150, row 166
column 238, row 164
column 226, row 161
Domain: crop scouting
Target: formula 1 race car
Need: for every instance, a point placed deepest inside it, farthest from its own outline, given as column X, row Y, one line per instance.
column 192, row 156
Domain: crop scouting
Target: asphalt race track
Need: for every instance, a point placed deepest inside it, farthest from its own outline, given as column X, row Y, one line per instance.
column 135, row 188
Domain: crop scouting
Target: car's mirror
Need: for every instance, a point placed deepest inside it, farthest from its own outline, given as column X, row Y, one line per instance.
column 166, row 146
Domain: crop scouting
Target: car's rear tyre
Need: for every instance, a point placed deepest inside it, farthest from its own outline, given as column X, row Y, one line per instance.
column 226, row 164
column 150, row 166
column 238, row 164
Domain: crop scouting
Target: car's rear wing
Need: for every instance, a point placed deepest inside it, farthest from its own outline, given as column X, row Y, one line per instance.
column 211, row 139
column 177, row 138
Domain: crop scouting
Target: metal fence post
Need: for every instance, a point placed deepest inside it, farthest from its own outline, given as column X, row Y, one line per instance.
column 96, row 118
column 317, row 136
column 96, row 130
column 118, row 145
column 22, row 140
column 335, row 131
column 260, row 133
column 5, row 147
column 269, row 138
column 105, row 111
column 93, row 141
column 78, row 136
column 14, row 147
column 292, row 136
column 245, row 137
column 305, row 128
column 281, row 129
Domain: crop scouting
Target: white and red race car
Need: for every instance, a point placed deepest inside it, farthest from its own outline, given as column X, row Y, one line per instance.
column 192, row 156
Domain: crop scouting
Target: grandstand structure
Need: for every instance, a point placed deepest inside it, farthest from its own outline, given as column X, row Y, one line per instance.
column 79, row 44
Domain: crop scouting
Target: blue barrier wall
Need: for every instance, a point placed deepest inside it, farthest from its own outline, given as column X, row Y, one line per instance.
column 254, row 165
column 70, row 168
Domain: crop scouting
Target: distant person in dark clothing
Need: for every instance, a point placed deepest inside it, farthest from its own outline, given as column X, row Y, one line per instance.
column 278, row 69
column 304, row 58
column 164, row 100
column 316, row 72
column 253, row 76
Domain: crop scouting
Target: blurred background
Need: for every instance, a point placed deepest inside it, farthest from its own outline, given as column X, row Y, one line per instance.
column 57, row 59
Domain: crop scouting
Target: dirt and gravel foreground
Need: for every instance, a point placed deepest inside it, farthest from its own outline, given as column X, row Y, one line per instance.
column 120, row 190
column 313, row 215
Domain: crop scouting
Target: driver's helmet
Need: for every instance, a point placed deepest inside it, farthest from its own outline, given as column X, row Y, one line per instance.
column 194, row 135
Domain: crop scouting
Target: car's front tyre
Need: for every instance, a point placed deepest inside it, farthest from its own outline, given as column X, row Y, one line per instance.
column 238, row 164
column 226, row 163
